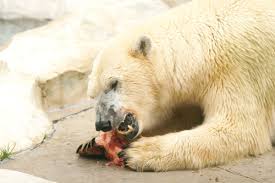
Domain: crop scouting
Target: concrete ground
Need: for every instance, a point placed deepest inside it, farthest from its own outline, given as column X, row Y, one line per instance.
column 55, row 160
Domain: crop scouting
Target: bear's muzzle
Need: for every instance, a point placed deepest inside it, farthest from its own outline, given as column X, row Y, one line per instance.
column 110, row 115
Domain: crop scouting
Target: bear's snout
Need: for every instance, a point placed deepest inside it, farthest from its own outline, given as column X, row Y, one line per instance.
column 111, row 115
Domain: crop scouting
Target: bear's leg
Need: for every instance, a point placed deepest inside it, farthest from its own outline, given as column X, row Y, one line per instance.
column 210, row 144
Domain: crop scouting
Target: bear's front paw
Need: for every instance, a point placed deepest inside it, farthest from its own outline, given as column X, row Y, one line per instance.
column 147, row 154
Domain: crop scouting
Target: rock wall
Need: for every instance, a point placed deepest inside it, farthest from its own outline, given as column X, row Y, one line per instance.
column 174, row 3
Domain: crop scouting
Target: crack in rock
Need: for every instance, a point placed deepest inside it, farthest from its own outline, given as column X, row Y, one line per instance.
column 239, row 174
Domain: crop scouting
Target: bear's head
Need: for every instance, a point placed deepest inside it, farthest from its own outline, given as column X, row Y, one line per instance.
column 123, row 83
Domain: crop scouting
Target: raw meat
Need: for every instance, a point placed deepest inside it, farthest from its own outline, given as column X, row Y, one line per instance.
column 106, row 144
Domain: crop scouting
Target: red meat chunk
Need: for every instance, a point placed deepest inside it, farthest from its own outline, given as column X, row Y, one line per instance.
column 106, row 144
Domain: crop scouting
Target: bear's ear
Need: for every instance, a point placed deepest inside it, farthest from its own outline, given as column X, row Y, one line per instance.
column 142, row 47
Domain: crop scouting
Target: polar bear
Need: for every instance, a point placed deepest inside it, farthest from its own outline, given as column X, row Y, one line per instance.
column 217, row 54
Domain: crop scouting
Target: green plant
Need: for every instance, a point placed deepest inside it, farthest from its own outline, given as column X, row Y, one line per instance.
column 6, row 153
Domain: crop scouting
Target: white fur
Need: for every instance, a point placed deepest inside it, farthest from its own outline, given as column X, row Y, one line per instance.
column 219, row 54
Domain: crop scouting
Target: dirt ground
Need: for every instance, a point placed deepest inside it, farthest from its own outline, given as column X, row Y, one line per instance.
column 55, row 160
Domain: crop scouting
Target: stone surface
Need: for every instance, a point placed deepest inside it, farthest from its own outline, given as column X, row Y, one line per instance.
column 37, row 9
column 174, row 3
column 52, row 9
column 9, row 176
column 56, row 160
column 11, row 27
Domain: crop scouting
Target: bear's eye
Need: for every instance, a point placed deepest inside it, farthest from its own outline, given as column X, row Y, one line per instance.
column 113, row 84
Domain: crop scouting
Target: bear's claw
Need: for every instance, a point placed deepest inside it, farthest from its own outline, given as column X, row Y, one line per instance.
column 90, row 149
column 108, row 144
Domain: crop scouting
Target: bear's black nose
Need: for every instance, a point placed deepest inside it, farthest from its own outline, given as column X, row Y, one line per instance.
column 104, row 126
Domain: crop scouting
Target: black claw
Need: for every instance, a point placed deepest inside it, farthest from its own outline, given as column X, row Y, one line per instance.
column 79, row 147
column 125, row 159
column 125, row 146
column 121, row 154
column 85, row 146
column 89, row 145
column 93, row 141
